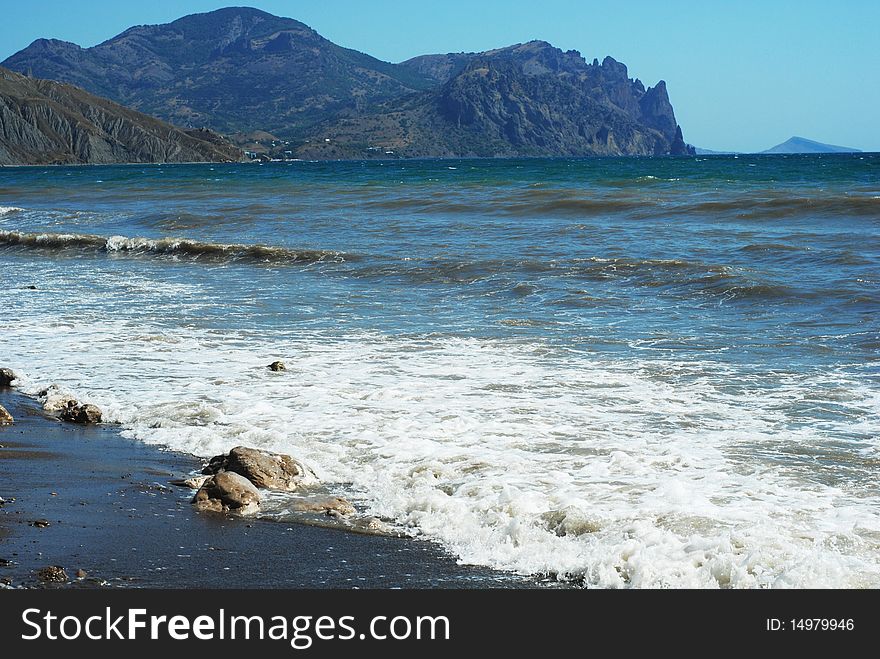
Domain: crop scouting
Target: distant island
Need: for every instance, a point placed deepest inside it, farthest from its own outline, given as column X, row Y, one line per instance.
column 792, row 145
column 803, row 145
column 280, row 90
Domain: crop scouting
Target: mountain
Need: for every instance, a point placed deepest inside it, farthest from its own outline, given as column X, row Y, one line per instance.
column 225, row 69
column 243, row 71
column 803, row 145
column 525, row 100
column 44, row 122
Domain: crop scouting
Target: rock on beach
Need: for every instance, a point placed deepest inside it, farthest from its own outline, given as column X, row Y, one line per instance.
column 272, row 471
column 7, row 377
column 53, row 574
column 228, row 492
column 67, row 407
column 76, row 413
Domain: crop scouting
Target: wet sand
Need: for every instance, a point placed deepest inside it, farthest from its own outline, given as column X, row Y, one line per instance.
column 112, row 513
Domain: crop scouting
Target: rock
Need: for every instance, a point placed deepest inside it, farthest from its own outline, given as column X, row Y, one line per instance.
column 5, row 417
column 273, row 471
column 53, row 399
column 6, row 377
column 81, row 574
column 193, row 483
column 228, row 492
column 570, row 522
column 40, row 523
column 76, row 413
column 52, row 574
column 332, row 506
column 372, row 525
column 277, row 366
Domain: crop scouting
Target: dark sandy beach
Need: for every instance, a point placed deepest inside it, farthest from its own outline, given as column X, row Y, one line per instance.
column 112, row 513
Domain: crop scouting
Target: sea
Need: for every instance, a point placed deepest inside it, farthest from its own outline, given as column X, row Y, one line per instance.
column 610, row 372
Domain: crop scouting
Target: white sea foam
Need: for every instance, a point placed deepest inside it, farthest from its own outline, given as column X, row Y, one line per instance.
column 4, row 210
column 622, row 473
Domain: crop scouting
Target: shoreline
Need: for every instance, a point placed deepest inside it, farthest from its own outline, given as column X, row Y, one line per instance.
column 103, row 504
column 433, row 158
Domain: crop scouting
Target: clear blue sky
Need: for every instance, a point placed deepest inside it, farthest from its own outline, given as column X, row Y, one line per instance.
column 742, row 75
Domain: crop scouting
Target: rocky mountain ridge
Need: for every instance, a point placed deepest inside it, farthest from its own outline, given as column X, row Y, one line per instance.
column 246, row 72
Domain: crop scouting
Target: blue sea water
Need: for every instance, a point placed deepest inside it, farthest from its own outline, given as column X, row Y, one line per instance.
column 624, row 371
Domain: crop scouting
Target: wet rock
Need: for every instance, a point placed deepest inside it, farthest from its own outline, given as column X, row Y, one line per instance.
column 277, row 366
column 569, row 522
column 6, row 377
column 81, row 574
column 332, row 506
column 40, row 523
column 5, row 417
column 227, row 492
column 53, row 399
column 371, row 525
column 273, row 471
column 193, row 483
column 52, row 574
column 76, row 413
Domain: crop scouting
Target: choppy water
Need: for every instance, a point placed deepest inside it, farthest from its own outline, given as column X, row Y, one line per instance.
column 627, row 372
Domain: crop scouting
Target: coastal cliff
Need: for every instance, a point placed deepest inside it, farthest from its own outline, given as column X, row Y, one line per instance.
column 44, row 122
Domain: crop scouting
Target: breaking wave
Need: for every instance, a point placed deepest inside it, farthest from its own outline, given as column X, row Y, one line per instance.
column 174, row 247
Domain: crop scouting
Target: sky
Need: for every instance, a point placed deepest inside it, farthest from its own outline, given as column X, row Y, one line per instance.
column 742, row 75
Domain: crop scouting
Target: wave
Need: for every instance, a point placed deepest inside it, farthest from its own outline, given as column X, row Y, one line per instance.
column 4, row 210
column 174, row 247
column 684, row 277
column 671, row 276
column 608, row 472
column 523, row 277
column 836, row 205
column 537, row 202
column 533, row 202
column 772, row 247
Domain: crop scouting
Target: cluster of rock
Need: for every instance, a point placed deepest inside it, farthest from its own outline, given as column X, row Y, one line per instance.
column 233, row 481
column 67, row 408
column 54, row 401
column 6, row 379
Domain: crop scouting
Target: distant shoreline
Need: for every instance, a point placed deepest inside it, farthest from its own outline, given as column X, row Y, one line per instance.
column 452, row 158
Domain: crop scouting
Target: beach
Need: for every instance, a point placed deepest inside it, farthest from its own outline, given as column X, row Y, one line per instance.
column 112, row 513
column 615, row 372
